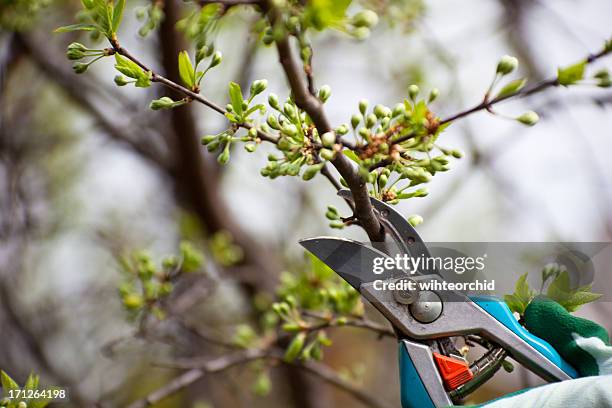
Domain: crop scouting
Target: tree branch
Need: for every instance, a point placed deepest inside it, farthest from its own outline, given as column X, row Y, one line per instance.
column 549, row 83
column 314, row 108
column 197, row 369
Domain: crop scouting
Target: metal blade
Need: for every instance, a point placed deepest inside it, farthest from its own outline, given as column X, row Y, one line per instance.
column 408, row 235
column 352, row 260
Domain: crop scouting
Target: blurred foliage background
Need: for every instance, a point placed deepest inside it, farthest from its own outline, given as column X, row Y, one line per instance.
column 88, row 174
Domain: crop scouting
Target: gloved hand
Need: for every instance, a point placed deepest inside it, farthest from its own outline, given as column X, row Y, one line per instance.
column 582, row 343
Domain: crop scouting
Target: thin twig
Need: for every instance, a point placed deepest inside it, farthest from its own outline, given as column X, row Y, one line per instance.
column 549, row 83
column 155, row 77
column 198, row 368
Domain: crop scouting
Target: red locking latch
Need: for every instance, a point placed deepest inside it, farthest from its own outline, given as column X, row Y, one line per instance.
column 454, row 371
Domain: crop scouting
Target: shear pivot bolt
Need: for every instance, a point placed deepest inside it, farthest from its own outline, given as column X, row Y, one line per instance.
column 428, row 308
column 405, row 296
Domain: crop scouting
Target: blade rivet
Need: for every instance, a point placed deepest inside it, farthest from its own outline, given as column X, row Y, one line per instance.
column 428, row 307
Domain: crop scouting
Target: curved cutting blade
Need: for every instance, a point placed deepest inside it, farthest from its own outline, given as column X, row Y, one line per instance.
column 353, row 261
column 411, row 241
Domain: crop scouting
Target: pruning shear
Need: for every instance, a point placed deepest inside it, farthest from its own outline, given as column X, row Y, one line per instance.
column 430, row 325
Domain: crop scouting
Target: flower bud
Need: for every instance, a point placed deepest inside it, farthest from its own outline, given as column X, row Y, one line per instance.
column 364, row 132
column 133, row 301
column 382, row 180
column 80, row 67
column 290, row 129
column 273, row 122
column 371, row 120
column 457, row 154
column 328, row 139
column 355, row 120
column 341, row 130
column 415, row 220
column 289, row 110
column 528, row 118
column 324, row 93
column 363, row 106
column 207, row 139
column 413, row 92
column 365, row 18
column 121, row 80
column 361, row 33
column 203, row 52
column 433, row 95
column 216, row 59
column 293, row 24
column 327, row 154
column 273, row 101
column 381, row 111
column 258, row 86
column 22, row 404
column 312, row 171
column 224, row 157
column 75, row 54
column 250, row 147
column 337, row 224
column 161, row 103
column 398, row 110
column 507, row 64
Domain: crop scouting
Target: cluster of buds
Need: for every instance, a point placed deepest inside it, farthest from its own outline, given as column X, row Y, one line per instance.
column 146, row 284
column 239, row 113
column 394, row 146
column 77, row 51
column 299, row 141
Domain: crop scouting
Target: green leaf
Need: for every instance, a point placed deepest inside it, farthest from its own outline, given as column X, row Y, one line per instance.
column 31, row 382
column 7, row 382
column 118, row 14
column 560, row 291
column 127, row 67
column 103, row 15
column 325, row 13
column 351, row 155
column 186, row 70
column 253, row 108
column 295, row 347
column 236, row 99
column 75, row 27
column 511, row 88
column 518, row 301
column 578, row 299
column 144, row 80
column 572, row 74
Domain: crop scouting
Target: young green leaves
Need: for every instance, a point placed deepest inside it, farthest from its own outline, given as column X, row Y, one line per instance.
column 518, row 301
column 32, row 383
column 559, row 289
column 186, row 70
column 571, row 75
column 104, row 17
column 127, row 67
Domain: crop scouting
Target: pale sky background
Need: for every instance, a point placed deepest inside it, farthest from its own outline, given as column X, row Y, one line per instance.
column 550, row 190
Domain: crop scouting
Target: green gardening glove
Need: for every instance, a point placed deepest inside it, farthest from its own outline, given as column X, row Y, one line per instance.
column 582, row 343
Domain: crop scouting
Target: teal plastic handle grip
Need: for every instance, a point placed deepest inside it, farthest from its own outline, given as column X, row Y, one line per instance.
column 412, row 389
column 501, row 312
